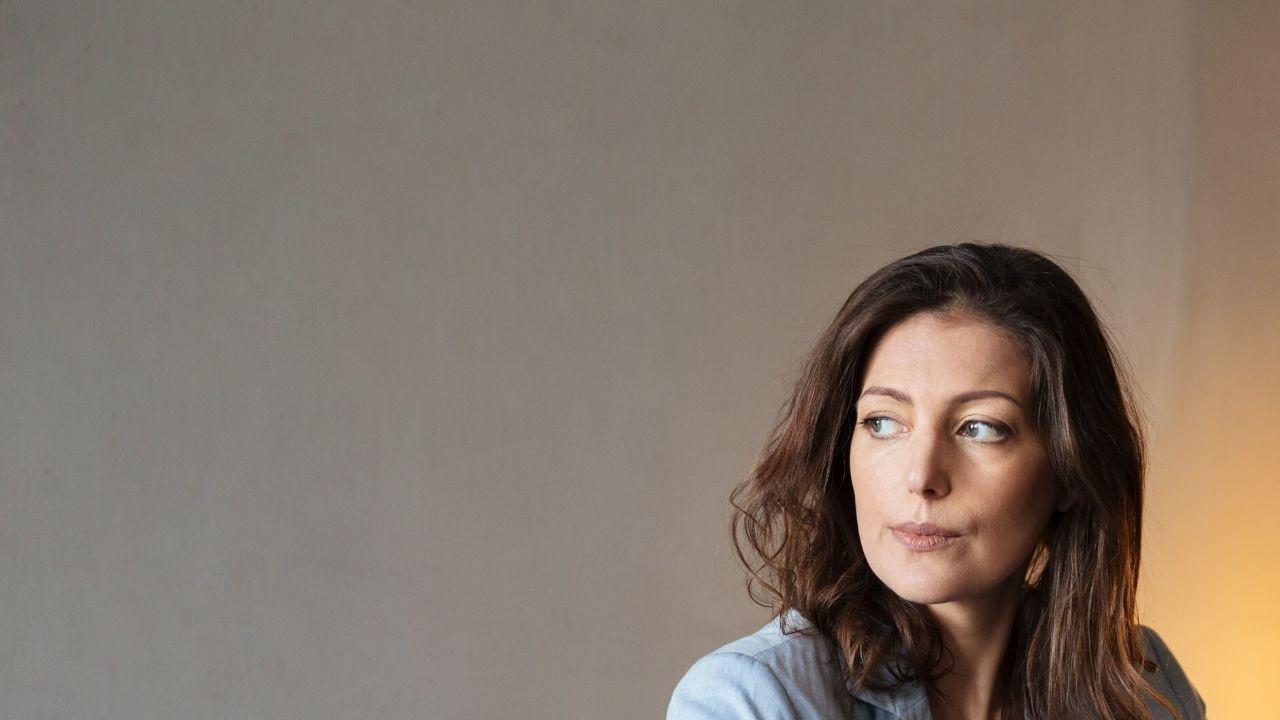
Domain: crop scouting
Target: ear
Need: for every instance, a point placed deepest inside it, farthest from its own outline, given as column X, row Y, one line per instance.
column 1066, row 498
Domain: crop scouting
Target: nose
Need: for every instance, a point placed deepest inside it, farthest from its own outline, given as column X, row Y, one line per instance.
column 928, row 469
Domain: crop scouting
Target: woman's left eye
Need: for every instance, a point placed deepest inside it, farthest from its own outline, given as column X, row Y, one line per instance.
column 985, row 431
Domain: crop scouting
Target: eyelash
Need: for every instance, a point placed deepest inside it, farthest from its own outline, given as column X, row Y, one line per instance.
column 1004, row 431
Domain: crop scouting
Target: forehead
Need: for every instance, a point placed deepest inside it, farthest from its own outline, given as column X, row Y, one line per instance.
column 945, row 354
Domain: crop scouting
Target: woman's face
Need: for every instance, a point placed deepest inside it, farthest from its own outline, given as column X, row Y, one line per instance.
column 944, row 437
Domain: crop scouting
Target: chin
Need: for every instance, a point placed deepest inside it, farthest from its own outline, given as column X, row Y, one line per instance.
column 921, row 586
column 922, row 595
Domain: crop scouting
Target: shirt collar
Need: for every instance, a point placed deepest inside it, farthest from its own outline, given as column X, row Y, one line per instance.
column 906, row 703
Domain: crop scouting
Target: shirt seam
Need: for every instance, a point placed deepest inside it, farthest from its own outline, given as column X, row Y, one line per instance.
column 774, row 648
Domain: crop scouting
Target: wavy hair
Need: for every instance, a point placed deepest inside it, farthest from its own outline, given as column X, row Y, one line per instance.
column 1076, row 649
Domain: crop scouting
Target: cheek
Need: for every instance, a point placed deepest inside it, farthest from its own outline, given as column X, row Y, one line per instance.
column 1017, row 510
column 875, row 475
column 870, row 498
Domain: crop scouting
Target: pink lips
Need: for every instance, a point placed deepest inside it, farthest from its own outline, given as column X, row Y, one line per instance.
column 924, row 536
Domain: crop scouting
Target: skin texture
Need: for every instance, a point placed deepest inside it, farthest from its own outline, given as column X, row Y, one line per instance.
column 975, row 467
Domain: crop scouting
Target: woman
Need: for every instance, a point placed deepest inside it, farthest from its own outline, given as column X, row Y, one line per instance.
column 947, row 517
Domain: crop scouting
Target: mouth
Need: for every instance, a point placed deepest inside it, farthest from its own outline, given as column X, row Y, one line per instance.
column 922, row 537
column 925, row 529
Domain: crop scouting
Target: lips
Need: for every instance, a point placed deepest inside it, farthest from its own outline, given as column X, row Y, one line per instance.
column 923, row 537
column 925, row 529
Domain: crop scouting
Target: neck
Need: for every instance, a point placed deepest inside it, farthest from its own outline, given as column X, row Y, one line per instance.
column 976, row 631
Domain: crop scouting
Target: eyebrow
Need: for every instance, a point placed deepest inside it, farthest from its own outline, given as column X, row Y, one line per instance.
column 963, row 397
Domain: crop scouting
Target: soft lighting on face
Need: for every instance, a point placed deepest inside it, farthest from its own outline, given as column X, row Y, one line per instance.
column 942, row 437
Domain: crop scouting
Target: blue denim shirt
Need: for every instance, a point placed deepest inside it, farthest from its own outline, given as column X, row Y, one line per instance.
column 796, row 676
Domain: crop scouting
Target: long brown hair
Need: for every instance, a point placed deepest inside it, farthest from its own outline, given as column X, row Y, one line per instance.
column 1075, row 650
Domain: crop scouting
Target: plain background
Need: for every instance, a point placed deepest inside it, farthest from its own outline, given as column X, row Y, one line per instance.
column 396, row 359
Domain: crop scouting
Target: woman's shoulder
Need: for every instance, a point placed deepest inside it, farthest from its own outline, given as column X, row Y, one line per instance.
column 788, row 668
column 785, row 668
column 1170, row 679
column 781, row 639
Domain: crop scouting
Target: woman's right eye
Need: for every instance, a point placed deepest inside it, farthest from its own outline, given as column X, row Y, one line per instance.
column 879, row 425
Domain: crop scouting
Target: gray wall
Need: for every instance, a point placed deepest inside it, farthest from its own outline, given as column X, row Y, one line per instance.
column 395, row 359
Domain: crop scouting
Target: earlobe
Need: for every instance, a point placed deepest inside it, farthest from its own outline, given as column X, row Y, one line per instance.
column 1066, row 502
column 1066, row 498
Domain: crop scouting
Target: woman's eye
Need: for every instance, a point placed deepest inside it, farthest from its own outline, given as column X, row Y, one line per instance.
column 879, row 426
column 983, row 431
